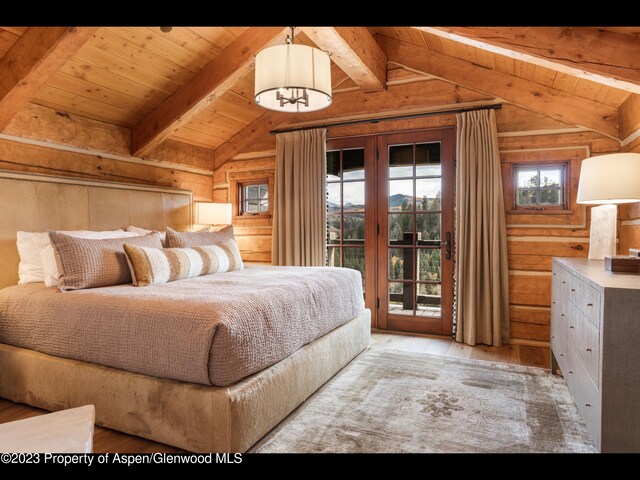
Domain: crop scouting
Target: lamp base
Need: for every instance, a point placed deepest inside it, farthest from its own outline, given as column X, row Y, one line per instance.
column 602, row 241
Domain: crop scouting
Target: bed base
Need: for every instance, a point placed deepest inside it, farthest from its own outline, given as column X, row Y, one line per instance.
column 194, row 417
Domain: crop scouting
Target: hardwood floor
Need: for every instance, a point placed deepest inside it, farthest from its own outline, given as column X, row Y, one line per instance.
column 518, row 354
column 106, row 440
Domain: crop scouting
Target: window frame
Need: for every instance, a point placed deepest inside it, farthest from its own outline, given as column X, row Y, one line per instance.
column 562, row 208
column 241, row 186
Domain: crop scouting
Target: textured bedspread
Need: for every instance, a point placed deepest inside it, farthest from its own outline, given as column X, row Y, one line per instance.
column 214, row 329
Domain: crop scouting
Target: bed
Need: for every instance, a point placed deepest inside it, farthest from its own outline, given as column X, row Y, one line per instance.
column 206, row 364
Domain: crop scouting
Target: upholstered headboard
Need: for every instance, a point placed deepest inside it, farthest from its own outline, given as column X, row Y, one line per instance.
column 38, row 203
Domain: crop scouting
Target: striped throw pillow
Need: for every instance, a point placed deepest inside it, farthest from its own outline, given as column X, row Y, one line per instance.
column 151, row 266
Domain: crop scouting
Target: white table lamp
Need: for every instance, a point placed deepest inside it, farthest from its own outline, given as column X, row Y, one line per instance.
column 608, row 180
column 214, row 214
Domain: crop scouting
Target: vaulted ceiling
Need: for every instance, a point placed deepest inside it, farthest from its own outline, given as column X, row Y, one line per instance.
column 195, row 84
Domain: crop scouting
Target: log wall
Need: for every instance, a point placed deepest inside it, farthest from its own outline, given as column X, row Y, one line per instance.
column 253, row 233
column 629, row 215
column 43, row 140
column 533, row 239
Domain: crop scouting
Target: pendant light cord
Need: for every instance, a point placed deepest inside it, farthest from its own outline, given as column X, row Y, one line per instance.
column 290, row 38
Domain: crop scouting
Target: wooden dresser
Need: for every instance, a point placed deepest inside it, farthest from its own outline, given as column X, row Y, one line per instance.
column 595, row 339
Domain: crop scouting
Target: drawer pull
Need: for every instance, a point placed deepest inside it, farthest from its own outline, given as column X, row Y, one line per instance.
column 562, row 354
column 553, row 336
column 587, row 404
column 573, row 289
column 564, row 281
column 571, row 326
column 588, row 349
column 562, row 314
column 589, row 304
column 553, row 303
column 570, row 371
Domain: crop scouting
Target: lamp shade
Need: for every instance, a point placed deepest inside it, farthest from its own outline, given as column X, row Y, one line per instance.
column 286, row 74
column 213, row 213
column 613, row 178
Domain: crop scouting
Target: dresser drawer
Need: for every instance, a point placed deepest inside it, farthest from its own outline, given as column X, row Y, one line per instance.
column 587, row 346
column 558, row 333
column 560, row 286
column 585, row 394
column 586, row 298
column 560, row 351
column 559, row 322
column 573, row 317
column 559, row 296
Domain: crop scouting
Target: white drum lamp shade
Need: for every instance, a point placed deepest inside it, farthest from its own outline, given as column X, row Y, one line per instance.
column 293, row 78
column 213, row 213
column 610, row 179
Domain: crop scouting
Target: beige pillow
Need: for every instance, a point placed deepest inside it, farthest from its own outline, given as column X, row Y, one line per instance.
column 37, row 260
column 198, row 239
column 88, row 263
column 48, row 256
column 151, row 266
column 143, row 231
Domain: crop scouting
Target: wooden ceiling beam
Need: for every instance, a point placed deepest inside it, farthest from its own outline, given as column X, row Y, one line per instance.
column 525, row 93
column 355, row 51
column 32, row 61
column 630, row 119
column 215, row 78
column 601, row 56
column 250, row 134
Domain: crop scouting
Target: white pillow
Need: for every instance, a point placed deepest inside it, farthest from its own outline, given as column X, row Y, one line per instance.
column 30, row 267
column 47, row 253
column 143, row 231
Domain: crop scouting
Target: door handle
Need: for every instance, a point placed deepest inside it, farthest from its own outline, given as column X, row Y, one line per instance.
column 447, row 245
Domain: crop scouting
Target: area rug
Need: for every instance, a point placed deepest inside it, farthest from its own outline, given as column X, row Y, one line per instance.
column 394, row 401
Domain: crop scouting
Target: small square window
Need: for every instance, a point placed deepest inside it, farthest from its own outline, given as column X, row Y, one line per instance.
column 540, row 187
column 254, row 198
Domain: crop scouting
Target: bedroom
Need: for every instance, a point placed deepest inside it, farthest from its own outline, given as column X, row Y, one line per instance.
column 351, row 219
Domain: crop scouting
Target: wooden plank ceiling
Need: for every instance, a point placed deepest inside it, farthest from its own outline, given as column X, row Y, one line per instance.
column 528, row 71
column 122, row 74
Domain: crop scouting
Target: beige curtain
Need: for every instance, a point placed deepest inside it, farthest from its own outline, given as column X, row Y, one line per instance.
column 482, row 275
column 300, row 209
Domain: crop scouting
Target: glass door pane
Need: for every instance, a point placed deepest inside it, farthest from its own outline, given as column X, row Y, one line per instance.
column 417, row 274
column 350, row 215
column 414, row 186
column 345, row 197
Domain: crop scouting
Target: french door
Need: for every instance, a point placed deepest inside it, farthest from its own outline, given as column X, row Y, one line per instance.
column 415, row 198
column 390, row 216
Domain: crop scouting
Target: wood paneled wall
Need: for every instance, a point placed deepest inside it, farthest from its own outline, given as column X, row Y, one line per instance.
column 533, row 239
column 629, row 227
column 253, row 233
column 43, row 140
column 629, row 216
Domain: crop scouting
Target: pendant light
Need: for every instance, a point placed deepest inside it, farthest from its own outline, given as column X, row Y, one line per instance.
column 293, row 78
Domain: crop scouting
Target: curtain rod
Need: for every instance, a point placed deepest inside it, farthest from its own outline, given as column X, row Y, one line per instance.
column 384, row 119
